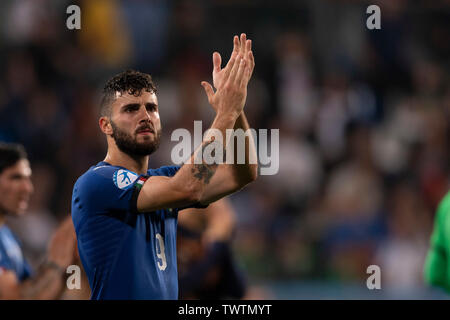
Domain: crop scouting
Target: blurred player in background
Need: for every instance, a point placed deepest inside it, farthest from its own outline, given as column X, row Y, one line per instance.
column 207, row 269
column 125, row 215
column 437, row 263
column 17, row 281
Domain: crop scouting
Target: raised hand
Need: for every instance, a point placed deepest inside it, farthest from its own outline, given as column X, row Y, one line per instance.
column 241, row 50
column 231, row 95
column 242, row 46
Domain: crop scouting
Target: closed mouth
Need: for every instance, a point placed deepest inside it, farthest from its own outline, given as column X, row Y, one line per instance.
column 145, row 131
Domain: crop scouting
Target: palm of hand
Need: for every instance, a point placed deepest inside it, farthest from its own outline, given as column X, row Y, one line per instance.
column 218, row 77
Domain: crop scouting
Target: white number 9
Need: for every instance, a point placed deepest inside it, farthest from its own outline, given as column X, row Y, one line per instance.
column 162, row 265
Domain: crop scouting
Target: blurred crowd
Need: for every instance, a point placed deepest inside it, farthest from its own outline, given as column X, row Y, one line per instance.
column 364, row 118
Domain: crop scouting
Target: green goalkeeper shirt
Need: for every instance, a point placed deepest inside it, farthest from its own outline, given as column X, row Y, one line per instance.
column 437, row 263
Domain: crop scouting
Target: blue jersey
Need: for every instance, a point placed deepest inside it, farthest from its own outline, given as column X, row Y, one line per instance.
column 126, row 254
column 11, row 256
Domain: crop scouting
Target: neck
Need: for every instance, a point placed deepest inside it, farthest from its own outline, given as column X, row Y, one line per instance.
column 137, row 164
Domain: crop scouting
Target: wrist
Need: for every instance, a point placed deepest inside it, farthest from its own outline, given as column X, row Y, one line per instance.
column 228, row 115
column 48, row 263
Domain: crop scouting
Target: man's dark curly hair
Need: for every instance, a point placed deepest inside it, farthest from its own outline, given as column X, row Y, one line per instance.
column 129, row 81
column 10, row 154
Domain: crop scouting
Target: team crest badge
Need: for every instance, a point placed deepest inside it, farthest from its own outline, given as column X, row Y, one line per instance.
column 123, row 179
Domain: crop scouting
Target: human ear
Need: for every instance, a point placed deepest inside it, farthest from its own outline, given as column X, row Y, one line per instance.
column 105, row 125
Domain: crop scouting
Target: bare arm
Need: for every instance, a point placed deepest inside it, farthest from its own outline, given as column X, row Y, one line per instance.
column 194, row 177
column 216, row 222
column 188, row 184
column 233, row 177
column 49, row 282
column 47, row 285
column 221, row 222
column 248, row 171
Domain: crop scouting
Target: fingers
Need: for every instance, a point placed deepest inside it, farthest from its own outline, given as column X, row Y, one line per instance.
column 248, row 70
column 236, row 44
column 245, row 45
column 248, row 46
column 246, row 77
column 217, row 61
column 235, row 52
column 240, row 72
column 242, row 42
column 245, row 49
column 241, row 48
column 251, row 59
column 230, row 65
column 234, row 70
column 208, row 89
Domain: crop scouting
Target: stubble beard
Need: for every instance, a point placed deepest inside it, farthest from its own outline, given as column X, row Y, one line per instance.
column 128, row 144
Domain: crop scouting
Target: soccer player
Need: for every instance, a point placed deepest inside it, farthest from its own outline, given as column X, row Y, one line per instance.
column 16, row 278
column 125, row 214
column 437, row 263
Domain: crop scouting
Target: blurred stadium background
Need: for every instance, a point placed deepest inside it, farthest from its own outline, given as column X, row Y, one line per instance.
column 364, row 119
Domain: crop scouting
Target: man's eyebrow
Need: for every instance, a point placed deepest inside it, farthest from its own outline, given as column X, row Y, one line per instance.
column 151, row 104
column 18, row 176
column 130, row 105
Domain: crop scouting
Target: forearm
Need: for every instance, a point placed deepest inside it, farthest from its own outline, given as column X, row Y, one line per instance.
column 248, row 171
column 47, row 285
column 230, row 178
column 198, row 171
column 193, row 181
column 221, row 221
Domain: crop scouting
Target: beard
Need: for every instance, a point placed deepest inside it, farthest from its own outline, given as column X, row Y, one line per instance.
column 129, row 145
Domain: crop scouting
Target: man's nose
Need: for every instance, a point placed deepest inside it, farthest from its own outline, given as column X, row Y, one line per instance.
column 28, row 186
column 144, row 115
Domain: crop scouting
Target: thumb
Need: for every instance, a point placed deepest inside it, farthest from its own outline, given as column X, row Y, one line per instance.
column 208, row 89
column 217, row 61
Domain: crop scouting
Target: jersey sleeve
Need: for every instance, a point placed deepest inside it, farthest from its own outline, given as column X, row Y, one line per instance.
column 168, row 171
column 21, row 267
column 436, row 269
column 105, row 191
column 4, row 265
column 27, row 271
